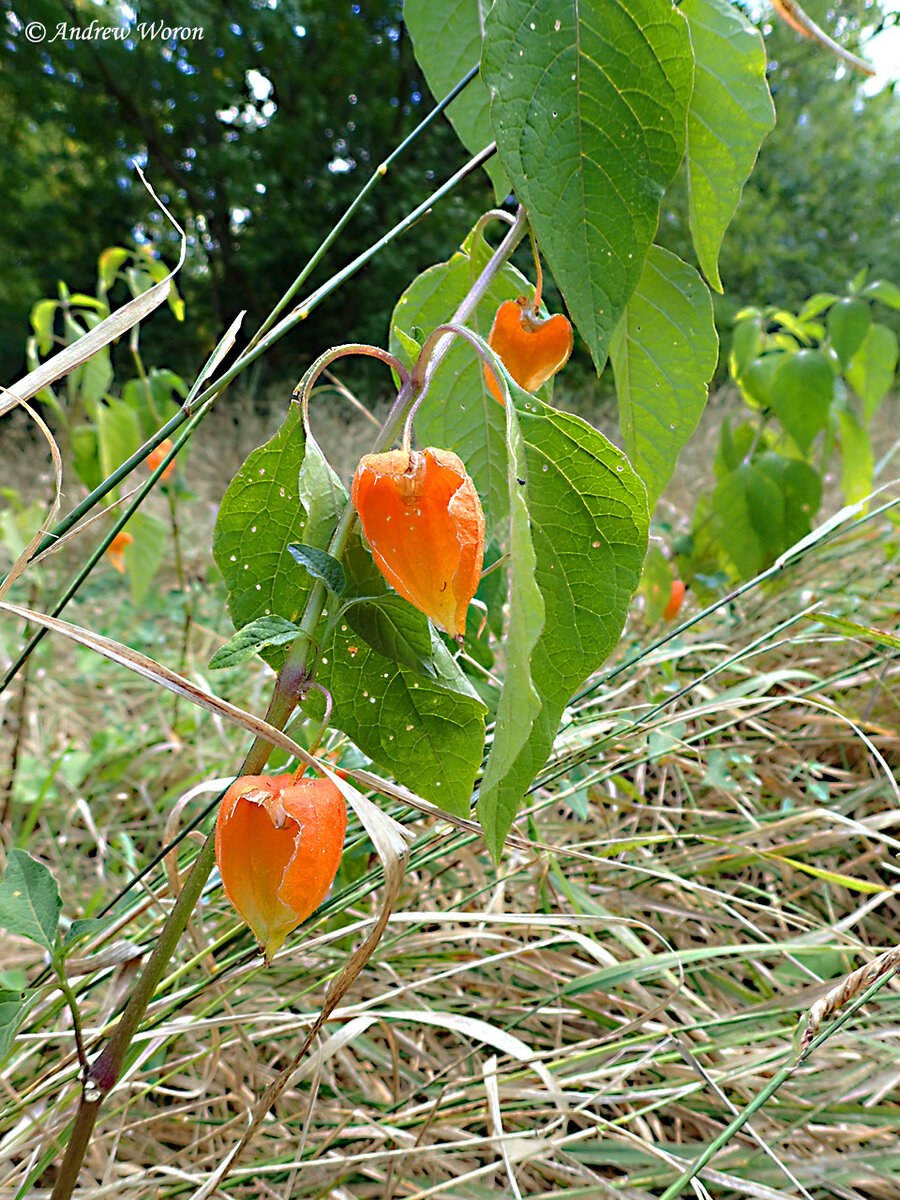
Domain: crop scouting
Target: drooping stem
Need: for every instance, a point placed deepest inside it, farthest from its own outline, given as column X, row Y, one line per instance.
column 437, row 344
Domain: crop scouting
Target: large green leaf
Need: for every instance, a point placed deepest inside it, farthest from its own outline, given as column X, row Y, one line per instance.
column 663, row 353
column 29, row 899
column 447, row 43
column 428, row 731
column 458, row 412
column 730, row 113
column 589, row 102
column 259, row 516
column 118, row 434
column 848, row 324
column 519, row 705
column 872, row 368
column 589, row 527
column 802, row 392
column 857, row 459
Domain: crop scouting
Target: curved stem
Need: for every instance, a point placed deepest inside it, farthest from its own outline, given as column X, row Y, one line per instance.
column 303, row 390
column 438, row 342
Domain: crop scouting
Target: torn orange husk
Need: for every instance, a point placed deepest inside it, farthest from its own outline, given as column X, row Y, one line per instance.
column 278, row 848
column 422, row 517
column 531, row 348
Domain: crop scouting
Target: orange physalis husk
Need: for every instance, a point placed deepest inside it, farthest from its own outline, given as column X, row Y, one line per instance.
column 155, row 457
column 675, row 601
column 115, row 551
column 423, row 520
column 531, row 348
column 278, row 848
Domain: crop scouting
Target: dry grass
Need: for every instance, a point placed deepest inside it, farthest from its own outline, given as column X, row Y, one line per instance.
column 713, row 851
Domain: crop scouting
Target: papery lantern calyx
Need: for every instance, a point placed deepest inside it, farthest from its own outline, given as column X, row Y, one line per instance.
column 423, row 520
column 278, row 848
column 532, row 348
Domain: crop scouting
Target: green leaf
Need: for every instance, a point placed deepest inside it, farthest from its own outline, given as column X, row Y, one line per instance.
column 883, row 291
column 747, row 517
column 144, row 558
column 259, row 515
column 320, row 565
column 848, row 324
column 86, row 456
column 589, row 105
column 447, row 43
column 14, row 1008
column 458, row 412
column 663, row 354
column 85, row 927
column 872, row 369
column 321, row 493
column 589, row 527
column 96, row 377
column 519, row 705
column 857, row 459
column 42, row 317
column 29, row 900
column 746, row 344
column 802, row 392
column 734, row 446
column 427, row 731
column 801, row 489
column 394, row 628
column 265, row 631
column 731, row 111
column 118, row 434
column 109, row 263
column 756, row 380
column 817, row 304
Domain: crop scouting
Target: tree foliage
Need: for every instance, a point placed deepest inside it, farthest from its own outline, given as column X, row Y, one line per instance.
column 282, row 110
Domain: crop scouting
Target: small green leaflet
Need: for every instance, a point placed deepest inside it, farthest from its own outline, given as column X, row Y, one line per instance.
column 264, row 631
column 29, row 900
column 320, row 565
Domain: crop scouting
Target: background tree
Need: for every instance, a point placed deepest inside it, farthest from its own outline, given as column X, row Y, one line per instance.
column 287, row 109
